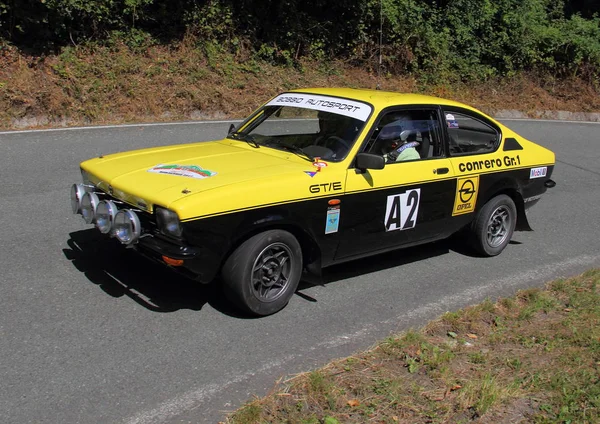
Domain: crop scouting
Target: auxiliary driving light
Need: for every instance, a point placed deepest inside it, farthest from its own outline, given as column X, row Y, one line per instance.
column 105, row 215
column 89, row 203
column 127, row 227
column 77, row 192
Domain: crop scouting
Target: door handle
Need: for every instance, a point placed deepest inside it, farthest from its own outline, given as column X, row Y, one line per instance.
column 440, row 171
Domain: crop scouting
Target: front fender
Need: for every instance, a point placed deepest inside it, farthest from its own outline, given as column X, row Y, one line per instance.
column 282, row 219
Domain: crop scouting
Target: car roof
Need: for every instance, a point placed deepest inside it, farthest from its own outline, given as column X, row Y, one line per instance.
column 383, row 99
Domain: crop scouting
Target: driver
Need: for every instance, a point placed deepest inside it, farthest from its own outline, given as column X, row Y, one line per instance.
column 399, row 140
column 399, row 150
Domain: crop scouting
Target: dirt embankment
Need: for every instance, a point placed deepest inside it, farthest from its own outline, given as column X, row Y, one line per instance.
column 85, row 86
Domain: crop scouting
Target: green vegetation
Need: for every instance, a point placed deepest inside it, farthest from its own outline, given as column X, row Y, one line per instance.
column 532, row 358
column 459, row 39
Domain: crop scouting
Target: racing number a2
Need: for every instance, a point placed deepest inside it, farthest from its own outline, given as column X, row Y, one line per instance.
column 402, row 209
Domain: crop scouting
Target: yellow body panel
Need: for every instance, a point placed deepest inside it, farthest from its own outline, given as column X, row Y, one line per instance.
column 532, row 155
column 245, row 177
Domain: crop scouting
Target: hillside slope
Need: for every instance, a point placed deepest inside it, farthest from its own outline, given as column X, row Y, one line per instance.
column 101, row 85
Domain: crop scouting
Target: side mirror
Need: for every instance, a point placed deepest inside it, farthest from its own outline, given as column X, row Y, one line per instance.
column 366, row 161
column 231, row 129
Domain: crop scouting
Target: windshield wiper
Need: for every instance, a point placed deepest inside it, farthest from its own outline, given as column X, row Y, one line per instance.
column 237, row 135
column 295, row 149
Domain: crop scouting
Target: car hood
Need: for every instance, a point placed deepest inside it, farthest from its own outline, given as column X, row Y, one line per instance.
column 166, row 176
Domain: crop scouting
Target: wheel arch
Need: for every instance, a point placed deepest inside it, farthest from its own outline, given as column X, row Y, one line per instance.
column 511, row 189
column 311, row 252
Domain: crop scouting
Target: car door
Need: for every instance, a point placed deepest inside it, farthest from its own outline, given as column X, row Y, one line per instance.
column 406, row 202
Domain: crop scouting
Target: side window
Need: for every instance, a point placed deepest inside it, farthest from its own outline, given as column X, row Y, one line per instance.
column 406, row 135
column 469, row 135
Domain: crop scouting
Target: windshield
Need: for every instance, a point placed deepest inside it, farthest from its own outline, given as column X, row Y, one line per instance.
column 307, row 125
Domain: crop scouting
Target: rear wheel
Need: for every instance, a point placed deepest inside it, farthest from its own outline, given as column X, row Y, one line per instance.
column 494, row 225
column 262, row 274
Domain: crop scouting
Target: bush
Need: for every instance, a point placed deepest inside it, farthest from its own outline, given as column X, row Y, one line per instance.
column 432, row 39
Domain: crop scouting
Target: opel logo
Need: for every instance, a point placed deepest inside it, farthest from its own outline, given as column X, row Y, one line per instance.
column 467, row 191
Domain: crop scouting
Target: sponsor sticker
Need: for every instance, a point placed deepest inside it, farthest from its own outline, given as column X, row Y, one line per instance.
column 451, row 120
column 333, row 220
column 346, row 107
column 189, row 171
column 310, row 173
column 320, row 164
column 493, row 163
column 538, row 172
column 466, row 195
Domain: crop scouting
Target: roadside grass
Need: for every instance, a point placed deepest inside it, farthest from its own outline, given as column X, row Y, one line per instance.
column 190, row 80
column 531, row 358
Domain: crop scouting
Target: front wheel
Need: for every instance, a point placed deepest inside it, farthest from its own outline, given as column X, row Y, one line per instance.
column 494, row 225
column 262, row 274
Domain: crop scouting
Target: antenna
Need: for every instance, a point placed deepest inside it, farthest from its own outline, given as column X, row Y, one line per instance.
column 378, row 87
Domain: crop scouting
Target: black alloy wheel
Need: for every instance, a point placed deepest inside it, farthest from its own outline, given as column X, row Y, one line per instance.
column 494, row 225
column 262, row 274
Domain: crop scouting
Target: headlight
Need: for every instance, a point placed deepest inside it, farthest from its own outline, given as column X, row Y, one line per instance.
column 89, row 203
column 168, row 222
column 127, row 227
column 77, row 192
column 105, row 215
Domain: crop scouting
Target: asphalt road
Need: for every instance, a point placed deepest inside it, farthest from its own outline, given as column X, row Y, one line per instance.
column 90, row 333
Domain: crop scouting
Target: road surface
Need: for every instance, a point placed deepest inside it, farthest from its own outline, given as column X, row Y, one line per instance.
column 94, row 334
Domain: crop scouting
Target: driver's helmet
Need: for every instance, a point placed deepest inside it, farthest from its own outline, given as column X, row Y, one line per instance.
column 390, row 133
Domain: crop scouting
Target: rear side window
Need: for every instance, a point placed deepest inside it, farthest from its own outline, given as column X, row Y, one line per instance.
column 469, row 135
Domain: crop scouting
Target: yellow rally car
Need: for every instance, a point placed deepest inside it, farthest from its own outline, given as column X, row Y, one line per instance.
column 313, row 178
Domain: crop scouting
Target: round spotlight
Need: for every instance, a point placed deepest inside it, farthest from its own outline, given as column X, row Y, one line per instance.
column 77, row 192
column 127, row 227
column 89, row 203
column 105, row 215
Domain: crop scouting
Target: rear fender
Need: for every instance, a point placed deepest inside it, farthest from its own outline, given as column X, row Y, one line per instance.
column 510, row 188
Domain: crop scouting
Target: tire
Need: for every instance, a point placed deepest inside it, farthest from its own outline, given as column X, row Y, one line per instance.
column 494, row 225
column 262, row 274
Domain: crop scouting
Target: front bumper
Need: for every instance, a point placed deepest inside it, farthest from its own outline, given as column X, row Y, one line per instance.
column 194, row 262
column 164, row 248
